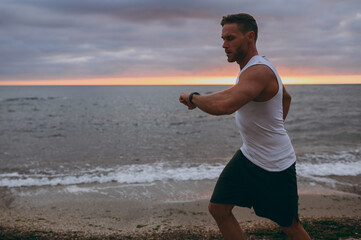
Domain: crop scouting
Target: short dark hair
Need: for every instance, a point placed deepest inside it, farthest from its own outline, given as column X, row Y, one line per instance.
column 244, row 21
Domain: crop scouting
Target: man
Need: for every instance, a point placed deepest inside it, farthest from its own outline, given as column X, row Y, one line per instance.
column 262, row 173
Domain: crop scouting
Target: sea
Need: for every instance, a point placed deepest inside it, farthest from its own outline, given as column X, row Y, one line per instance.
column 140, row 143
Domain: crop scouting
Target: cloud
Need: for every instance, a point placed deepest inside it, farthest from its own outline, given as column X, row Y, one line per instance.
column 322, row 39
column 44, row 39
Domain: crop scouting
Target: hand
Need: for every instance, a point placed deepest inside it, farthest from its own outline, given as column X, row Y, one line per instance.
column 184, row 98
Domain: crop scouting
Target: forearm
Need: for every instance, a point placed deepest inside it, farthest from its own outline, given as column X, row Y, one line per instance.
column 214, row 104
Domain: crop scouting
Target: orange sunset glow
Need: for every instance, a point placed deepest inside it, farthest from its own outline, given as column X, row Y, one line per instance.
column 196, row 80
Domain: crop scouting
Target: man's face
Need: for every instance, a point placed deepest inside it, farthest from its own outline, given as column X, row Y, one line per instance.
column 235, row 42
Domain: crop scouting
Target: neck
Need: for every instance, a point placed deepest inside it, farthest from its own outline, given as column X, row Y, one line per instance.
column 245, row 60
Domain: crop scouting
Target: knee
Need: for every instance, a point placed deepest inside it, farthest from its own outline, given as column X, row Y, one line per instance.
column 219, row 210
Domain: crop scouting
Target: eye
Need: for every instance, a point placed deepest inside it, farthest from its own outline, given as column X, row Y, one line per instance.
column 228, row 38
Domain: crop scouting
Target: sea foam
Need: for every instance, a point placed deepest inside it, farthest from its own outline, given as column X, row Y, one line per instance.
column 317, row 167
column 128, row 174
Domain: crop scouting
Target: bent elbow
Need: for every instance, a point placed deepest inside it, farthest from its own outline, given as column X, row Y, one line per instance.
column 226, row 110
column 287, row 98
column 229, row 111
column 218, row 110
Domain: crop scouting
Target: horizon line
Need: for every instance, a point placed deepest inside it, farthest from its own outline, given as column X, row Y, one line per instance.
column 195, row 84
column 181, row 80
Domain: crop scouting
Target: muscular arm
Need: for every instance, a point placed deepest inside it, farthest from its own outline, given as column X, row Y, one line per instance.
column 251, row 84
column 286, row 103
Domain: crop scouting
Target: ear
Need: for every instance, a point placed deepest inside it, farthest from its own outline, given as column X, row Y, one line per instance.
column 251, row 35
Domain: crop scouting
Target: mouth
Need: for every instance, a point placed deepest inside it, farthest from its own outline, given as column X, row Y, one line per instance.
column 228, row 53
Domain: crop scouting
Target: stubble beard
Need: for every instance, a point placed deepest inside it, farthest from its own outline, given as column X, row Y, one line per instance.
column 238, row 56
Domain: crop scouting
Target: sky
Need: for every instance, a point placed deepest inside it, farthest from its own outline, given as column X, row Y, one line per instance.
column 100, row 42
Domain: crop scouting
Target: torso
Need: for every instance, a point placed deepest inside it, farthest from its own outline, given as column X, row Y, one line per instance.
column 265, row 141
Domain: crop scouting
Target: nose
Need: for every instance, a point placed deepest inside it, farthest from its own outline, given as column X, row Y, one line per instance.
column 225, row 45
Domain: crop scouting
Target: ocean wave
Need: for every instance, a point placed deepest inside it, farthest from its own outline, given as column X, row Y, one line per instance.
column 128, row 174
column 23, row 99
column 322, row 157
column 329, row 169
column 314, row 166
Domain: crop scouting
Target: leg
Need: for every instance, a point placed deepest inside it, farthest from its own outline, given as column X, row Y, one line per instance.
column 296, row 231
column 226, row 221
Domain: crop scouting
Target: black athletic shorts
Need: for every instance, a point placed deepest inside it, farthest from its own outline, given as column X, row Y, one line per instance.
column 272, row 195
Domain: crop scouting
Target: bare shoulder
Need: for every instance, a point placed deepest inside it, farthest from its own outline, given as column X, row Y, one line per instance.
column 259, row 73
column 261, row 80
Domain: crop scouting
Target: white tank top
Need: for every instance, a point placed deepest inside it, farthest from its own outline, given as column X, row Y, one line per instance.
column 265, row 140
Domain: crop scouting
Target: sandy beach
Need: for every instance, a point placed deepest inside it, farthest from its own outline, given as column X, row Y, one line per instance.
column 91, row 215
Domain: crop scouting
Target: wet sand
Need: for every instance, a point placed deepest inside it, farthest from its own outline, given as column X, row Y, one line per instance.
column 91, row 214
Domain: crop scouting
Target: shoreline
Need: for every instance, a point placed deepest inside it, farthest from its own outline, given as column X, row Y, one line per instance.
column 92, row 215
column 318, row 228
